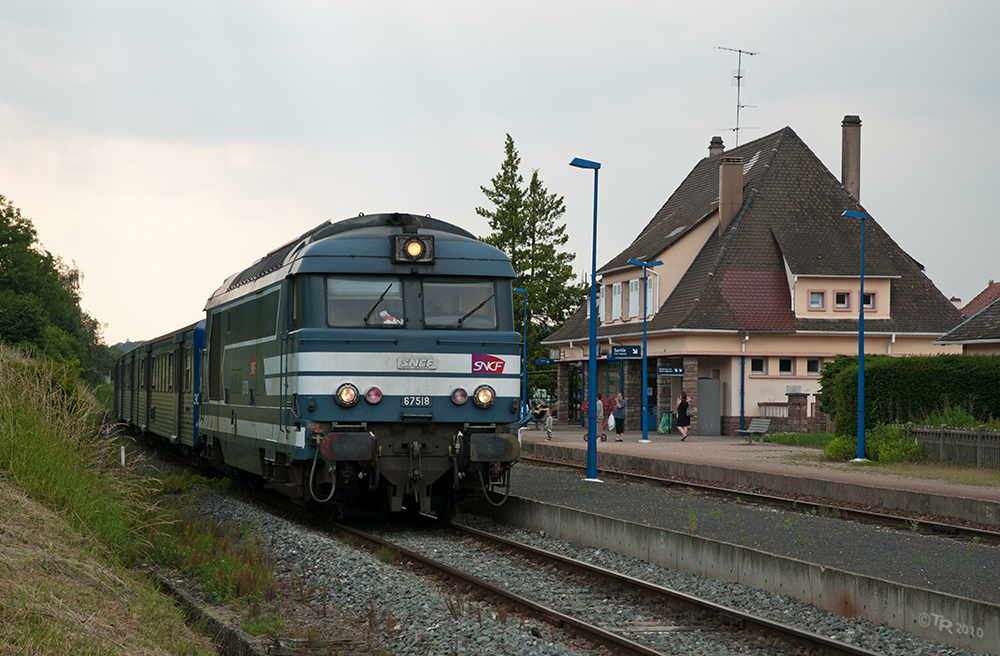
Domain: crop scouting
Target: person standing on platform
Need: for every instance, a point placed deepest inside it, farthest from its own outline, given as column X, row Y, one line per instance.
column 600, row 419
column 619, row 414
column 683, row 415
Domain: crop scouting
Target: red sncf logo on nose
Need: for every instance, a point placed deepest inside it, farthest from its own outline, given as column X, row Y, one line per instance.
column 486, row 364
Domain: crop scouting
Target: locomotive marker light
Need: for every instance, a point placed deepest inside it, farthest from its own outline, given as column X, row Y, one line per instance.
column 413, row 248
column 861, row 342
column 592, row 369
column 373, row 395
column 645, row 313
column 524, row 357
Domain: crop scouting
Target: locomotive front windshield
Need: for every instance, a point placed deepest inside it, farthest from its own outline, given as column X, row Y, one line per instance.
column 359, row 301
column 459, row 303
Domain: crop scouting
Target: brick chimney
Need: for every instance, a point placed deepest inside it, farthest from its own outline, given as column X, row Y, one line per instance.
column 850, row 158
column 715, row 147
column 730, row 190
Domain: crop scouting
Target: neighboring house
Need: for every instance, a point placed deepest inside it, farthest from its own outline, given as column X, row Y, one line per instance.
column 980, row 333
column 985, row 297
column 759, row 287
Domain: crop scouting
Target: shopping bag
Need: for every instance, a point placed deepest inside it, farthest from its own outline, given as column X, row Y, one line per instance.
column 664, row 426
column 611, row 422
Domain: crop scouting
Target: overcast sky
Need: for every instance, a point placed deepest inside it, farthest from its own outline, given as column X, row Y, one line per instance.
column 162, row 146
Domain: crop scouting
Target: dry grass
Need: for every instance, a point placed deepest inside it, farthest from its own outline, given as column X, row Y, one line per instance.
column 58, row 597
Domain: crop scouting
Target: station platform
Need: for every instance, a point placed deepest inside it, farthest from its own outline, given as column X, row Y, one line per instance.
column 777, row 467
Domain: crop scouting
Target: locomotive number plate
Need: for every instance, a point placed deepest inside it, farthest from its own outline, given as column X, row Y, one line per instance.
column 416, row 401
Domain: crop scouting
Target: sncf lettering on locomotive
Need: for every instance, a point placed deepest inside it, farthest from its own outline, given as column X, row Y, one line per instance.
column 486, row 364
column 416, row 362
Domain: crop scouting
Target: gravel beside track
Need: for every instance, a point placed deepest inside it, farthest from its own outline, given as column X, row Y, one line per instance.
column 424, row 619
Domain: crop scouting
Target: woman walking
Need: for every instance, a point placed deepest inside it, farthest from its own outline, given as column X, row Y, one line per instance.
column 683, row 415
column 618, row 412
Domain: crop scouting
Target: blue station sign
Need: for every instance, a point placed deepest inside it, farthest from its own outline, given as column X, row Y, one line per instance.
column 670, row 371
column 625, row 352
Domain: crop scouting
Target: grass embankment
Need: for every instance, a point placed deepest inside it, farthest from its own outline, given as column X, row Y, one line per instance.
column 75, row 525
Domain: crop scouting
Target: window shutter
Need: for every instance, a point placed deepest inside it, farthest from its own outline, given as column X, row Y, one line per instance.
column 616, row 301
column 633, row 296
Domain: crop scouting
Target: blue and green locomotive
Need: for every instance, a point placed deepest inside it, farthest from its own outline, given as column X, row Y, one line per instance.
column 371, row 362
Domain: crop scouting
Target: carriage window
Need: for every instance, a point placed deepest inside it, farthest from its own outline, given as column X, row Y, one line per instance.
column 358, row 301
column 461, row 304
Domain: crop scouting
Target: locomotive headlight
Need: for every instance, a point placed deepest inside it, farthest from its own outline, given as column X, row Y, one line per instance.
column 373, row 395
column 413, row 248
column 347, row 395
column 459, row 396
column 484, row 396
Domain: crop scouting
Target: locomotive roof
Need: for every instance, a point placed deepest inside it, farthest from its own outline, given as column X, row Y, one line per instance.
column 322, row 241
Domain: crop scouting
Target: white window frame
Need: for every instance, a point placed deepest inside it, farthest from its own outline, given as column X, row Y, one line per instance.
column 873, row 306
column 634, row 290
column 616, row 301
column 600, row 303
column 763, row 367
column 791, row 366
column 810, row 371
column 842, row 307
column 821, row 296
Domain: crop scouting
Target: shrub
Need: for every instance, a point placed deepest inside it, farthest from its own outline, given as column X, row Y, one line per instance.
column 841, row 448
column 883, row 444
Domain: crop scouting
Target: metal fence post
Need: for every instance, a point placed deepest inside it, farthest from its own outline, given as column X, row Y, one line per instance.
column 979, row 445
column 941, row 443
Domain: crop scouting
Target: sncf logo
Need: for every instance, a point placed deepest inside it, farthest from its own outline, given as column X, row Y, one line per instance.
column 486, row 364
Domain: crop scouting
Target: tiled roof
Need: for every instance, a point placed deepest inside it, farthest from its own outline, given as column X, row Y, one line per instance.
column 985, row 297
column 984, row 326
column 791, row 213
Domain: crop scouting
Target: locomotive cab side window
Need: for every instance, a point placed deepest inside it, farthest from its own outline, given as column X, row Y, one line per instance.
column 459, row 303
column 364, row 301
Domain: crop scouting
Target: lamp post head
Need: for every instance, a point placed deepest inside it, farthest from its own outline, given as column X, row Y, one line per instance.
column 645, row 264
column 854, row 215
column 518, row 289
column 581, row 163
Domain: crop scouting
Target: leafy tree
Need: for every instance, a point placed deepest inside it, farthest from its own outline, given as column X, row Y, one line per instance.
column 40, row 300
column 525, row 224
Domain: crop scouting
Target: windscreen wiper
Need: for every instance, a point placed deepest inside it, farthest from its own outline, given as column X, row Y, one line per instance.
column 377, row 303
column 475, row 309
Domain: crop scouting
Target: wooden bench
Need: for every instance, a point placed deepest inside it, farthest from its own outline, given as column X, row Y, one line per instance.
column 758, row 426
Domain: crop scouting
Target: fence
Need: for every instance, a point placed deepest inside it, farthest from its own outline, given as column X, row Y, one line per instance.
column 970, row 446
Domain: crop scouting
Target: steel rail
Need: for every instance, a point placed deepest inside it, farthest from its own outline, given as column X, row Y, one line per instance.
column 676, row 599
column 830, row 510
column 619, row 644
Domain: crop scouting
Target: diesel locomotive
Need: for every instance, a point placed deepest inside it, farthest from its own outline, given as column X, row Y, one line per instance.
column 370, row 363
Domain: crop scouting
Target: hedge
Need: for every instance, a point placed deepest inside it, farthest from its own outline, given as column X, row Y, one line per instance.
column 904, row 389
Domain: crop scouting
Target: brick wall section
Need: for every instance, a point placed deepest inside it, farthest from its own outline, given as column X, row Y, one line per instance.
column 798, row 413
column 664, row 402
column 633, row 395
column 691, row 387
column 562, row 393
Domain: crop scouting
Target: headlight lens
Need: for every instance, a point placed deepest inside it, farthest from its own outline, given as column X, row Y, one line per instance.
column 484, row 396
column 459, row 396
column 414, row 248
column 347, row 395
column 373, row 395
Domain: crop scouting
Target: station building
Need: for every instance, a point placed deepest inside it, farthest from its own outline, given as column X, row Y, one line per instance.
column 759, row 286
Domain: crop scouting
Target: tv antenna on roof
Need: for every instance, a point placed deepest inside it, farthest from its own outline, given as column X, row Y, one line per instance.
column 738, row 82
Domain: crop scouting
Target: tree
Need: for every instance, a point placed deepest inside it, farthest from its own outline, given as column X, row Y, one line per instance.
column 525, row 225
column 40, row 300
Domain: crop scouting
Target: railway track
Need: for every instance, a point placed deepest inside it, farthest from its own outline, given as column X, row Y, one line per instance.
column 591, row 590
column 825, row 508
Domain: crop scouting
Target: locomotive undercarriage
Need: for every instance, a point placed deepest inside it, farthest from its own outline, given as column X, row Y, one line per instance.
column 425, row 468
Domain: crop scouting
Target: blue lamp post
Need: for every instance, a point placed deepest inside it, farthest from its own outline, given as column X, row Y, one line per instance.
column 524, row 356
column 592, row 368
column 861, row 341
column 645, row 313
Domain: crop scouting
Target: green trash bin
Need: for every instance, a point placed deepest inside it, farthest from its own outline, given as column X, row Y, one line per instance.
column 665, row 423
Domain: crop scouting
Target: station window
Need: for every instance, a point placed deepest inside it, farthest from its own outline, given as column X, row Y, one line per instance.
column 812, row 367
column 817, row 300
column 869, row 301
column 786, row 366
column 758, row 366
column 842, row 300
